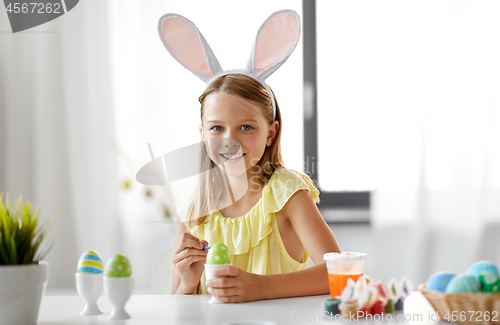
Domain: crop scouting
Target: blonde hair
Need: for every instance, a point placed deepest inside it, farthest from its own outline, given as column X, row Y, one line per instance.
column 212, row 181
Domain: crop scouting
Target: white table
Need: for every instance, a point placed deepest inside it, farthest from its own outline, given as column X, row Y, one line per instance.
column 194, row 309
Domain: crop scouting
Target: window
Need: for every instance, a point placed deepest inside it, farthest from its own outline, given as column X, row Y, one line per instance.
column 395, row 79
column 344, row 193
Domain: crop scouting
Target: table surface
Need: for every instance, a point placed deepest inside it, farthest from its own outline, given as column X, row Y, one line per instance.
column 194, row 309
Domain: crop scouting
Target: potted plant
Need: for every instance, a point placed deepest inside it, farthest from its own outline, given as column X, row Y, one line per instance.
column 23, row 274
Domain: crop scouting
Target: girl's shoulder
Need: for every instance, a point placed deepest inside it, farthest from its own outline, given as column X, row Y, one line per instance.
column 285, row 182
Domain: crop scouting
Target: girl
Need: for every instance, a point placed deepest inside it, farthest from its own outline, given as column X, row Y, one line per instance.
column 263, row 212
column 275, row 225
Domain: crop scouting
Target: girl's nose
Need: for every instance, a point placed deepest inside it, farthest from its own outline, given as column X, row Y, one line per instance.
column 231, row 143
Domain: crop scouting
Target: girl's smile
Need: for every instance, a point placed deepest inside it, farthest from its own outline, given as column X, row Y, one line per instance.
column 232, row 158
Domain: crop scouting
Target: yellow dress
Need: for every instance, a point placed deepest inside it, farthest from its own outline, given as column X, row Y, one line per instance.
column 254, row 240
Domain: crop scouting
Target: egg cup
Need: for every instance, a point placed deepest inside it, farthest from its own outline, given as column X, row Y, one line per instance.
column 118, row 291
column 209, row 275
column 89, row 287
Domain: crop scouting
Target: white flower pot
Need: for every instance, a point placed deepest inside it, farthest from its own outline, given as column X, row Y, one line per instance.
column 21, row 290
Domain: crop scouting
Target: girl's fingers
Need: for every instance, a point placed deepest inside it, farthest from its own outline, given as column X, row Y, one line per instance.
column 187, row 241
column 230, row 299
column 226, row 271
column 186, row 262
column 222, row 283
column 188, row 252
column 183, row 245
column 224, row 292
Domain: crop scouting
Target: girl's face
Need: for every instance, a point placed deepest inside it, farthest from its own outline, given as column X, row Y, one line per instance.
column 236, row 132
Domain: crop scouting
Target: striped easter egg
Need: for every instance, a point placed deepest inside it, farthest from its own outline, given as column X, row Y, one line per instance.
column 90, row 262
column 463, row 283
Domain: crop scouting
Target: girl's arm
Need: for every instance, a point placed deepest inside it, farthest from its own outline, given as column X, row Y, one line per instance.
column 317, row 239
column 308, row 282
column 188, row 258
column 176, row 281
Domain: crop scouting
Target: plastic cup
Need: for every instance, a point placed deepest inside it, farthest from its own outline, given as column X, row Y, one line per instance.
column 341, row 267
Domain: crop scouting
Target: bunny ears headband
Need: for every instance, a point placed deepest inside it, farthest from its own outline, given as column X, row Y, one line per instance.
column 275, row 41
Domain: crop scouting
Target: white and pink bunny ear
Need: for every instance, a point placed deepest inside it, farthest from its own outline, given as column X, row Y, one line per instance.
column 275, row 41
column 187, row 45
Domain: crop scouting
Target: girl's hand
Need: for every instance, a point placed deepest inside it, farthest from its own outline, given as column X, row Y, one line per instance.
column 237, row 285
column 189, row 258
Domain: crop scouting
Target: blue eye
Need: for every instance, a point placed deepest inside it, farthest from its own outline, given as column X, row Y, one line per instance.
column 217, row 128
column 246, row 127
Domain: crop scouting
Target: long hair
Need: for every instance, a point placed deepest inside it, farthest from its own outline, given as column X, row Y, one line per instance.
column 212, row 182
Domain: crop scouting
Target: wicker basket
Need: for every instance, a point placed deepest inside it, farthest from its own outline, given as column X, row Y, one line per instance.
column 469, row 308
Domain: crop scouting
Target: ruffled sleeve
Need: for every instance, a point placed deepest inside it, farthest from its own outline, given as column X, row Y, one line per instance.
column 286, row 183
column 246, row 232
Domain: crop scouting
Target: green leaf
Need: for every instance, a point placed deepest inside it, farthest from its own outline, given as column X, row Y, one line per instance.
column 2, row 208
column 21, row 236
column 13, row 253
column 4, row 259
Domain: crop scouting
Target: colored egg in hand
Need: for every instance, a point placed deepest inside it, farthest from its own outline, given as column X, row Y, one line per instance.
column 439, row 281
column 118, row 267
column 482, row 266
column 218, row 254
column 90, row 262
column 463, row 283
